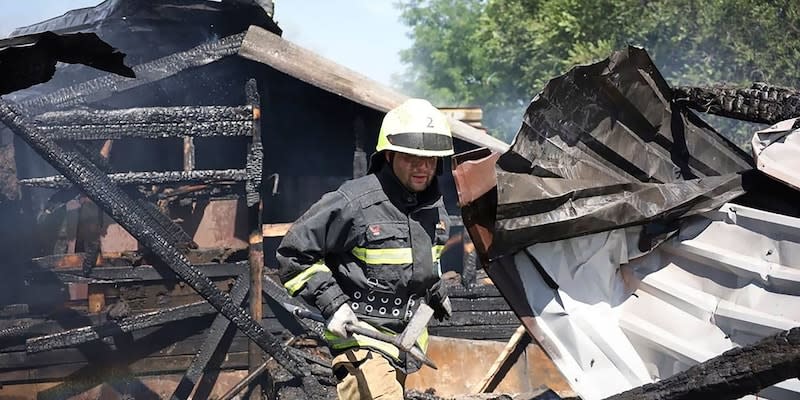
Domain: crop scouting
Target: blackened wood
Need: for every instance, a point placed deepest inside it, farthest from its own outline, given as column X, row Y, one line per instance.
column 126, row 212
column 758, row 103
column 475, row 292
column 475, row 332
column 148, row 273
column 142, row 116
column 86, row 334
column 255, row 162
column 483, row 318
column 148, row 178
column 107, row 85
column 211, row 344
column 480, row 304
column 735, row 373
column 147, row 131
column 184, row 337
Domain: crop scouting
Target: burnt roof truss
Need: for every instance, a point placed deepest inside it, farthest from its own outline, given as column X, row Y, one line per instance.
column 155, row 234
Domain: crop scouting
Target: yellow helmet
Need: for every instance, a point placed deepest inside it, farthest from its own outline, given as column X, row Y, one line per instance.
column 416, row 127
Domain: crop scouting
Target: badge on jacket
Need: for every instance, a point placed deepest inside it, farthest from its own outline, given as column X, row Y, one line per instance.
column 441, row 225
column 375, row 230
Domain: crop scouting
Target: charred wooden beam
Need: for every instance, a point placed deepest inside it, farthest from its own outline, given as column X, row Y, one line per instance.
column 478, row 318
column 148, row 178
column 107, row 85
column 147, row 131
column 735, row 373
column 176, row 338
column 19, row 328
column 126, row 212
column 74, row 337
column 475, row 292
column 475, row 332
column 147, row 122
column 758, row 103
column 30, row 328
column 255, row 162
column 66, row 262
column 210, row 346
column 148, row 273
column 146, row 116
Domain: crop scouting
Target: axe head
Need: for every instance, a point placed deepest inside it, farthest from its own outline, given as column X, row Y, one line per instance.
column 416, row 325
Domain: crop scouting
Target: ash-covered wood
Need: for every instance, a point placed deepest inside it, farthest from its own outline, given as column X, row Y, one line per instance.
column 147, row 122
column 758, row 103
column 148, row 178
column 148, row 131
column 735, row 373
column 144, row 115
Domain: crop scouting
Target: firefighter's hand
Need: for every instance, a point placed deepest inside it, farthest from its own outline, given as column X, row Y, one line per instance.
column 340, row 319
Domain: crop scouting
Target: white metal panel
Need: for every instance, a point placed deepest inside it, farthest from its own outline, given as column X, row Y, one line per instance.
column 729, row 278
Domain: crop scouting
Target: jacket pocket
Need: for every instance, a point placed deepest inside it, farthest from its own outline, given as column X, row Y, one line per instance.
column 378, row 234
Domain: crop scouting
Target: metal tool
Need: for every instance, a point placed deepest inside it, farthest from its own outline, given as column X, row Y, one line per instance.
column 405, row 341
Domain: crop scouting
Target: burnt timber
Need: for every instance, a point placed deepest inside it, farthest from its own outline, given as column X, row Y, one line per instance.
column 116, row 203
column 733, row 374
column 760, row 102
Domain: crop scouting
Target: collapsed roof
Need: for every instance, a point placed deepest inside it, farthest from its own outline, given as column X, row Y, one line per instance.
column 631, row 238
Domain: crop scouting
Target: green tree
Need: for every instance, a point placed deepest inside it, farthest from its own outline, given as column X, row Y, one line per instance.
column 499, row 53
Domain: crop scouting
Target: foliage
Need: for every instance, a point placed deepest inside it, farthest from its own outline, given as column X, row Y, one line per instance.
column 499, row 53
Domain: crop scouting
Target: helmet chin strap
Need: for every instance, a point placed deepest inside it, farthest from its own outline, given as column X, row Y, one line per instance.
column 390, row 155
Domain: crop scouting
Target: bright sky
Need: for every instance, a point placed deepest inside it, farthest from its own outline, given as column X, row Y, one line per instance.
column 364, row 35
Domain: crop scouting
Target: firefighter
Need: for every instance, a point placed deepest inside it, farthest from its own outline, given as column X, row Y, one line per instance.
column 368, row 253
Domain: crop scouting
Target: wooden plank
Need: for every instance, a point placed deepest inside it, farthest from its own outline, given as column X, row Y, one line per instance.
column 464, row 114
column 275, row 230
column 502, row 359
column 265, row 47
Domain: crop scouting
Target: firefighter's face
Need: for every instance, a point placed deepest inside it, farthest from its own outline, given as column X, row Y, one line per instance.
column 414, row 172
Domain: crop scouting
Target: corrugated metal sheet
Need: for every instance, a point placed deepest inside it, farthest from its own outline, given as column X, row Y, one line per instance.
column 620, row 318
column 777, row 151
column 632, row 240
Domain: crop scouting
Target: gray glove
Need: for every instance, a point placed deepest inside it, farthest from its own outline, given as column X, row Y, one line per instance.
column 340, row 319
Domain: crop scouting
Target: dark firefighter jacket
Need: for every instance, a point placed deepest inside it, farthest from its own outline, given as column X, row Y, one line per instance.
column 375, row 245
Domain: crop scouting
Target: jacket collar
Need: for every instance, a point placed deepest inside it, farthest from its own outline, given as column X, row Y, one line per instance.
column 402, row 197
